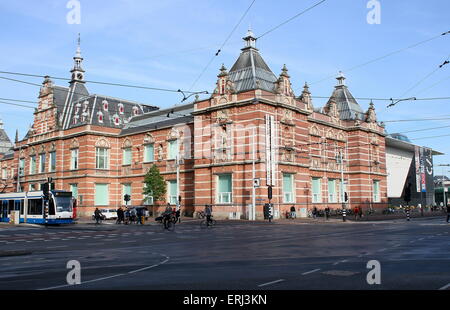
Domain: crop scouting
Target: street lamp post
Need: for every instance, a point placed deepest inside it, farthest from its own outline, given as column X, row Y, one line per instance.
column 341, row 162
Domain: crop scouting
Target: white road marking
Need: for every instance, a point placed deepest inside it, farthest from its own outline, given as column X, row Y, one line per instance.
column 269, row 283
column 128, row 241
column 114, row 276
column 157, row 239
column 311, row 271
column 445, row 287
column 57, row 246
column 382, row 250
column 336, row 263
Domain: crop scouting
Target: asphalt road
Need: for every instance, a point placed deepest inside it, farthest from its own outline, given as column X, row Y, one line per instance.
column 233, row 255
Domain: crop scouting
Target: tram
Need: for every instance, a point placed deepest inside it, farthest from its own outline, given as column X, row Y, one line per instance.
column 31, row 207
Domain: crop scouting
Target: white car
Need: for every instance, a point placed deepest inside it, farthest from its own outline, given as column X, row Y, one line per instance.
column 108, row 214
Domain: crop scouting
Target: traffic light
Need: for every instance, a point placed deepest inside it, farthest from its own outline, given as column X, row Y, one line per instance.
column 45, row 190
column 269, row 192
column 127, row 197
column 407, row 193
column 345, row 197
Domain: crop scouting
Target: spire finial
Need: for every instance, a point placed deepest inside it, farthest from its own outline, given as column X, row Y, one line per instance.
column 77, row 71
column 250, row 38
column 341, row 78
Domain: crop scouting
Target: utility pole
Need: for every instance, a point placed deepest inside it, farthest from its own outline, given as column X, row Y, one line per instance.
column 178, row 182
column 253, row 211
column 341, row 161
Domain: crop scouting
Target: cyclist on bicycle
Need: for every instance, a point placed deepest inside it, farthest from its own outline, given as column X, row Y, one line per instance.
column 167, row 216
column 208, row 214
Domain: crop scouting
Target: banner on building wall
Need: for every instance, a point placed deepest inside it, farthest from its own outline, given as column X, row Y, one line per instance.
column 423, row 179
column 429, row 181
column 270, row 149
column 417, row 168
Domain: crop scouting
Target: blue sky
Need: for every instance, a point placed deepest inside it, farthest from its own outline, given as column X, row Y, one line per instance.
column 167, row 44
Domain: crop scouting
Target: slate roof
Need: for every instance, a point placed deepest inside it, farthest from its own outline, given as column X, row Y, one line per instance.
column 180, row 114
column 348, row 107
column 76, row 107
column 251, row 72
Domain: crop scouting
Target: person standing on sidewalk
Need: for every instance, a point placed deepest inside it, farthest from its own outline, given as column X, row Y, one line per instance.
column 327, row 213
column 293, row 214
column 97, row 216
column 356, row 212
column 120, row 215
column 314, row 212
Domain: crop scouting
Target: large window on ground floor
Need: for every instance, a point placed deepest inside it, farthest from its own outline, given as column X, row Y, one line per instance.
column 172, row 192
column 316, row 187
column 224, row 188
column 376, row 191
column 332, row 196
column 101, row 194
column 288, row 187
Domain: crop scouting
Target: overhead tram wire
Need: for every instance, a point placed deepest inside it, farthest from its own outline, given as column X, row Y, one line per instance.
column 291, row 19
column 430, row 137
column 95, row 82
column 384, row 56
column 223, row 44
column 421, row 80
column 424, row 129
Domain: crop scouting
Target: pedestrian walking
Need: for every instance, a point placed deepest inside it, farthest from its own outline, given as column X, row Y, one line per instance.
column 138, row 216
column 356, row 212
column 314, row 212
column 178, row 215
column 327, row 213
column 360, row 212
column 127, row 217
column 293, row 213
column 120, row 216
column 133, row 215
column 97, row 215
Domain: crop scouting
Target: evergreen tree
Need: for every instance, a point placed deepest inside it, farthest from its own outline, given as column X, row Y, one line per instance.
column 154, row 185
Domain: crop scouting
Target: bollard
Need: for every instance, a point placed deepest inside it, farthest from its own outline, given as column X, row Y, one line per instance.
column 344, row 214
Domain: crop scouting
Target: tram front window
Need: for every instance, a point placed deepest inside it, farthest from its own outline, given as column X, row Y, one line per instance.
column 63, row 204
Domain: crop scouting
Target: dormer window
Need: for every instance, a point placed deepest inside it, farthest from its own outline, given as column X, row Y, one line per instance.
column 105, row 105
column 121, row 108
column 116, row 120
column 100, row 117
column 135, row 110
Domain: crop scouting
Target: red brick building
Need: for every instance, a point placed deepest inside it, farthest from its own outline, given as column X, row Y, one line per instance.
column 101, row 147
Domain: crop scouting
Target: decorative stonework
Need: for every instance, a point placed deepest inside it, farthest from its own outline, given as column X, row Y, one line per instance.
column 127, row 143
column 148, row 139
column 223, row 117
column 174, row 134
column 314, row 131
column 103, row 143
column 287, row 117
column 74, row 144
column 160, row 152
column 332, row 111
